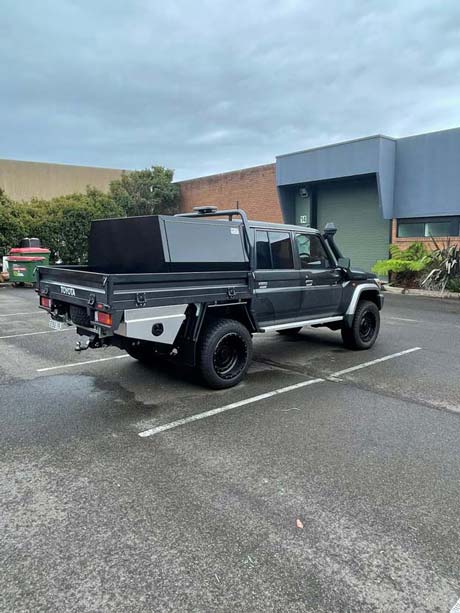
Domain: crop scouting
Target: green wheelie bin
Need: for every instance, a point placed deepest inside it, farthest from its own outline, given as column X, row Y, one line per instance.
column 23, row 260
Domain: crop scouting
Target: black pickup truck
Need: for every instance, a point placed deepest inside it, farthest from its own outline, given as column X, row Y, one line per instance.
column 197, row 286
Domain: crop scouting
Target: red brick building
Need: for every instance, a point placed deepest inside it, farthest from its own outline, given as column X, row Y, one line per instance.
column 377, row 190
column 252, row 189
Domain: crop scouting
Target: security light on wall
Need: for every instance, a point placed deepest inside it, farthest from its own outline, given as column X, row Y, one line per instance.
column 304, row 192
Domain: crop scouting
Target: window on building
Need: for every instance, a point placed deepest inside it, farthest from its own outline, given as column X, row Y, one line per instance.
column 434, row 226
column 311, row 252
column 264, row 260
column 409, row 230
column 438, row 228
column 280, row 243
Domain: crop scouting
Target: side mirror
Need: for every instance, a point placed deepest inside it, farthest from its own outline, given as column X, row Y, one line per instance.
column 344, row 263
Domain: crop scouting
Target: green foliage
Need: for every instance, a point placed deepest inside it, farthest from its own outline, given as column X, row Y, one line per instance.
column 146, row 192
column 453, row 285
column 445, row 268
column 441, row 267
column 12, row 227
column 414, row 259
column 62, row 224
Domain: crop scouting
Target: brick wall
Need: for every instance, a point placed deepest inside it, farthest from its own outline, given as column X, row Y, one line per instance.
column 251, row 189
column 403, row 243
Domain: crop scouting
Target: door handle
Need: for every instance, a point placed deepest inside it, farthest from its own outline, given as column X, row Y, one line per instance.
column 308, row 282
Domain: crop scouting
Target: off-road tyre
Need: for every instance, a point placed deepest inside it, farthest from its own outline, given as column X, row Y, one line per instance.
column 224, row 353
column 290, row 331
column 365, row 327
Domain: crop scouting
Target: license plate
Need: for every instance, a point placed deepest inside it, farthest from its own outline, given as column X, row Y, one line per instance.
column 56, row 325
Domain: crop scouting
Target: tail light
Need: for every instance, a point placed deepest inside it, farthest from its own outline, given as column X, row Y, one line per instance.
column 103, row 318
column 45, row 302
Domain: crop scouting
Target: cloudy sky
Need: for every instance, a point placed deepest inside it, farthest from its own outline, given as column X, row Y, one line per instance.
column 208, row 86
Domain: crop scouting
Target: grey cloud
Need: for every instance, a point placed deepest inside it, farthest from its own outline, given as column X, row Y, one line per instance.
column 212, row 86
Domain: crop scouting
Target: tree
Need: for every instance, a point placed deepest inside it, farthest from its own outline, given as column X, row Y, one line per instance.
column 146, row 192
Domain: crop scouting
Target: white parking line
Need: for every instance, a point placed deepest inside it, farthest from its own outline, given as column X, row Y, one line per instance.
column 228, row 407
column 37, row 312
column 372, row 362
column 115, row 357
column 414, row 321
column 33, row 333
column 282, row 390
column 456, row 607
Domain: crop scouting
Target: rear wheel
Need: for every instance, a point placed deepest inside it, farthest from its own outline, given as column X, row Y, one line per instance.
column 290, row 331
column 365, row 327
column 224, row 353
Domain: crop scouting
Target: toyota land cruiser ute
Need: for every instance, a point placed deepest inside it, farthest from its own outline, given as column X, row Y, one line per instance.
column 197, row 286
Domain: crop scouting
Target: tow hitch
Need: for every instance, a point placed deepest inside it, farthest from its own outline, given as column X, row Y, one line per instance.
column 91, row 343
column 82, row 345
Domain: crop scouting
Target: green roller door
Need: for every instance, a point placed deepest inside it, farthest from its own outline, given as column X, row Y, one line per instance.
column 362, row 233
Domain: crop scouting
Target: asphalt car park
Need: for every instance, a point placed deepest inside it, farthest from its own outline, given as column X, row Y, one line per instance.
column 326, row 481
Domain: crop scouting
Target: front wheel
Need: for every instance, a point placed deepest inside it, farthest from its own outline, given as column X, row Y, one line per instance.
column 224, row 353
column 365, row 327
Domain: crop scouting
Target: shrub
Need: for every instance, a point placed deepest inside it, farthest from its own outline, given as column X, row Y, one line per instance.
column 12, row 224
column 62, row 224
column 405, row 265
column 445, row 264
column 453, row 285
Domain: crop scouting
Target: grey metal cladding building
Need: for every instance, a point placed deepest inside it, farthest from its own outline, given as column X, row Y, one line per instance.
column 365, row 184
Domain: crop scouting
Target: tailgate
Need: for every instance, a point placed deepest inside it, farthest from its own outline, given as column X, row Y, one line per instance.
column 72, row 285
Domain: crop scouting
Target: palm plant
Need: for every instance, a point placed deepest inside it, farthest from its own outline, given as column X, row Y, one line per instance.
column 405, row 264
column 446, row 267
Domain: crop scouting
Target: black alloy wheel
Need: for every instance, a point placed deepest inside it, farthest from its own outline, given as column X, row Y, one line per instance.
column 230, row 356
column 224, row 353
column 365, row 326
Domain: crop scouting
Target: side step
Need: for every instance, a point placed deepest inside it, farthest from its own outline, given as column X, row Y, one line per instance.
column 306, row 322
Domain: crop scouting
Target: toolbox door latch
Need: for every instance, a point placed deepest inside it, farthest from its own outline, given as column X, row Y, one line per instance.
column 140, row 299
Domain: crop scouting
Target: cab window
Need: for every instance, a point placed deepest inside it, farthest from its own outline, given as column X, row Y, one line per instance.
column 312, row 253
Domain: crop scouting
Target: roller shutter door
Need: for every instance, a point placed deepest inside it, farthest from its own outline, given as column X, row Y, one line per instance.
column 363, row 234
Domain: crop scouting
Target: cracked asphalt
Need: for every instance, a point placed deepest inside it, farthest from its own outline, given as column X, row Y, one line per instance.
column 340, row 496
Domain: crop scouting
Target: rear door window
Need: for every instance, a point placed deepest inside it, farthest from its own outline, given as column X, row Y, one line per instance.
column 281, row 250
column 264, row 261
